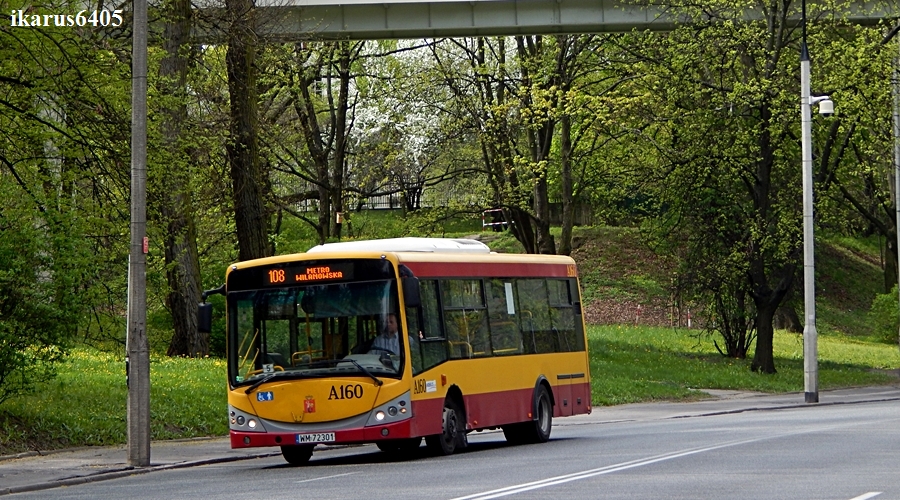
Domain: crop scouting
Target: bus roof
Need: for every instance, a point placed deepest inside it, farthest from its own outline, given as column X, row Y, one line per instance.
column 409, row 244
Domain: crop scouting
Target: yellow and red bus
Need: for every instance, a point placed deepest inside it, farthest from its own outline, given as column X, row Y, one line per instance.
column 486, row 341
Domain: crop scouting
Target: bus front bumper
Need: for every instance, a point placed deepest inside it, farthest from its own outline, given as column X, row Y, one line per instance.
column 370, row 434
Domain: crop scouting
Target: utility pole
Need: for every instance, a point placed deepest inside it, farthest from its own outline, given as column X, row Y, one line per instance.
column 137, row 362
column 895, row 88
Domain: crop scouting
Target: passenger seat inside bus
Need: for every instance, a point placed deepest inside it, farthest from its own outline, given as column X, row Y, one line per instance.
column 275, row 358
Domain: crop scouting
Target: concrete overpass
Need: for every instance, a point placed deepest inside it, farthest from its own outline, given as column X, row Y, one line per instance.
column 399, row 19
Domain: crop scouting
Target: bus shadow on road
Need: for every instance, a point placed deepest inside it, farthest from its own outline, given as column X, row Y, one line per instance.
column 370, row 455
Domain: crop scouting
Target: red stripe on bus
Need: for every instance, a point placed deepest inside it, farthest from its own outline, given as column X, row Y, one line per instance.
column 500, row 408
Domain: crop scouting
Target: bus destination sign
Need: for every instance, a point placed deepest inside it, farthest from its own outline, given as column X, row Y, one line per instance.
column 299, row 275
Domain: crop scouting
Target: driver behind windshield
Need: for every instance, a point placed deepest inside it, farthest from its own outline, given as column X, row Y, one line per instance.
column 388, row 340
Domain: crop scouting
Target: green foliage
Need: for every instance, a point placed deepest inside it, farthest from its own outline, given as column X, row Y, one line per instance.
column 64, row 134
column 41, row 269
column 717, row 152
column 885, row 316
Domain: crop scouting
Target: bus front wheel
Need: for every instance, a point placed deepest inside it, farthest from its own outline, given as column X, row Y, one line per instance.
column 297, row 455
column 453, row 436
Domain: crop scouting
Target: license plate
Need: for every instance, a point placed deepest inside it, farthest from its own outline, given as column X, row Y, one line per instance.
column 319, row 437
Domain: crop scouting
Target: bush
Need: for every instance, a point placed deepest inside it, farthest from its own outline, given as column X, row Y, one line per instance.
column 885, row 316
column 39, row 310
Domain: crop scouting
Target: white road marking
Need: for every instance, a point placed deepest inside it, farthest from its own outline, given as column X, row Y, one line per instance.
column 325, row 477
column 867, row 496
column 519, row 488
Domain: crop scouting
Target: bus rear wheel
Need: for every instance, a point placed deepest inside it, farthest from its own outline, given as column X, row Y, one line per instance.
column 538, row 429
column 297, row 455
column 453, row 436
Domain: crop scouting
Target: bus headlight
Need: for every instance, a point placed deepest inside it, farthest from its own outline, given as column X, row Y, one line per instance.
column 390, row 412
column 251, row 423
column 240, row 420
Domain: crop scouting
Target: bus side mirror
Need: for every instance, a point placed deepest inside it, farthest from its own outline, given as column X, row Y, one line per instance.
column 411, row 296
column 204, row 317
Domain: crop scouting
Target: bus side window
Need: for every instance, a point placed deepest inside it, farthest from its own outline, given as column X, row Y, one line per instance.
column 578, row 334
column 534, row 320
column 562, row 315
column 505, row 336
column 413, row 331
column 433, row 347
column 465, row 319
column 431, row 312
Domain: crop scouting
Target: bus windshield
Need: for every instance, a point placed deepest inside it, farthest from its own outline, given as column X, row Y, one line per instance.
column 328, row 330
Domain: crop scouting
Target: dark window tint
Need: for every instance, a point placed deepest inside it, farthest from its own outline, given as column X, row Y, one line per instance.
column 505, row 336
column 431, row 348
column 465, row 318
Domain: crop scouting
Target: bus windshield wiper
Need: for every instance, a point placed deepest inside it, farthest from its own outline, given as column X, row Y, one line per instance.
column 289, row 375
column 377, row 380
column 260, row 382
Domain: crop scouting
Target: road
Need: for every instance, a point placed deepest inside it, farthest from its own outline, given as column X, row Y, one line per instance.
column 843, row 451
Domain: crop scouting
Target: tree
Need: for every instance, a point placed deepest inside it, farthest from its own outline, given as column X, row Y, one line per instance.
column 248, row 182
column 307, row 101
column 173, row 187
column 855, row 179
column 726, row 151
column 39, row 310
column 61, row 99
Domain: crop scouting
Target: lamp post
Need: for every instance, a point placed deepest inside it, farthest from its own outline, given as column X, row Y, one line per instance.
column 810, row 335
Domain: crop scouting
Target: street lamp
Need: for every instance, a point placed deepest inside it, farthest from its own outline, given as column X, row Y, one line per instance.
column 810, row 336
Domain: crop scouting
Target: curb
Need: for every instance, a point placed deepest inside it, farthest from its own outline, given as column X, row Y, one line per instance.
column 127, row 471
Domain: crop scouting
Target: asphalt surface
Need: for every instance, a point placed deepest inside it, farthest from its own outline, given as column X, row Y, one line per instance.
column 39, row 470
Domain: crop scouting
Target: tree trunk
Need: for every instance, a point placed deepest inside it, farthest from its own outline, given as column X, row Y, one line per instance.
column 339, row 162
column 326, row 142
column 250, row 216
column 763, row 359
column 520, row 225
column 568, row 202
column 545, row 243
column 176, row 211
column 540, row 140
column 786, row 319
column 183, row 276
column 890, row 261
column 323, row 228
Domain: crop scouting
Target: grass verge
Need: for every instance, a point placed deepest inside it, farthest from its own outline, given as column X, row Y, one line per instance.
column 635, row 364
column 85, row 405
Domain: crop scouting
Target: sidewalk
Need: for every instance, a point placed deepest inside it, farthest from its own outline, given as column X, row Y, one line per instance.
column 43, row 470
